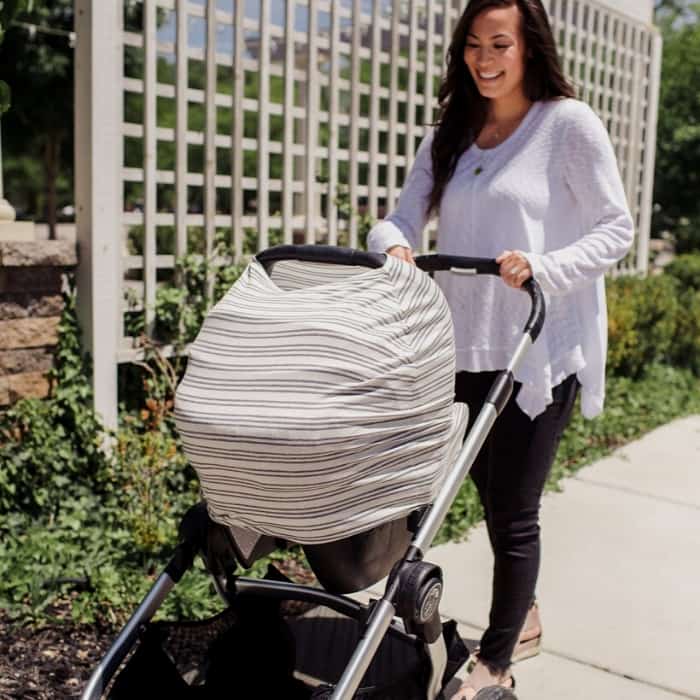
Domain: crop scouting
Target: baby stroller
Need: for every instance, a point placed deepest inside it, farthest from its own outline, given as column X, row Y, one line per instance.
column 277, row 638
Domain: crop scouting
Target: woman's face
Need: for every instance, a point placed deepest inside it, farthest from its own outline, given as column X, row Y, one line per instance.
column 495, row 52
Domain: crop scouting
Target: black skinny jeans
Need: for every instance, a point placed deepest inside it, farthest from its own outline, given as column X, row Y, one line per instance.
column 510, row 473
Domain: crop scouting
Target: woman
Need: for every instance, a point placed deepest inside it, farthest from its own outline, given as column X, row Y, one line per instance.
column 517, row 170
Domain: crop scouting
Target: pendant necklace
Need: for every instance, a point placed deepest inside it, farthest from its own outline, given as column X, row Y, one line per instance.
column 484, row 159
column 499, row 135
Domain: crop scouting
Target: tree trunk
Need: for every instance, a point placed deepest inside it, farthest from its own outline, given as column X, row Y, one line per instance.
column 51, row 151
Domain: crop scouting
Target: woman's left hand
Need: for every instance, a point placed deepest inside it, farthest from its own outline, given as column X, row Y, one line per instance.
column 515, row 269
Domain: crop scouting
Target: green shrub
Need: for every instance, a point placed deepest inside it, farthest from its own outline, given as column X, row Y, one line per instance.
column 686, row 269
column 51, row 449
column 622, row 323
column 686, row 233
column 150, row 466
column 200, row 282
column 686, row 343
column 82, row 521
column 642, row 321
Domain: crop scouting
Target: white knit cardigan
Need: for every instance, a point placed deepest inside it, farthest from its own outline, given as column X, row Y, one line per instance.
column 553, row 191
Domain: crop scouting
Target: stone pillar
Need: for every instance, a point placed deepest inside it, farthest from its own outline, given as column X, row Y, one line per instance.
column 30, row 309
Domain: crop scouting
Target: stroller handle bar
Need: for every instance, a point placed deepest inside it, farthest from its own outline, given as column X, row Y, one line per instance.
column 427, row 263
column 321, row 254
column 488, row 266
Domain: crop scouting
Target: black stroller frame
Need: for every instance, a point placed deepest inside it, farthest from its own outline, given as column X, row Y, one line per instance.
column 409, row 607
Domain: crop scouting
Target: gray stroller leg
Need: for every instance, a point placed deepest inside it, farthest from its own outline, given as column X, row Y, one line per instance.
column 380, row 621
column 103, row 673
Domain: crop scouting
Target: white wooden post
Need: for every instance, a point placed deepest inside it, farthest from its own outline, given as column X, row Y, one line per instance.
column 150, row 145
column 98, row 161
column 181, row 130
column 411, row 128
column 649, row 153
column 288, row 136
column 312, row 107
column 428, row 72
column 210, row 133
column 331, row 209
column 393, row 109
column 354, row 119
column 237, row 134
column 373, row 177
column 263, row 197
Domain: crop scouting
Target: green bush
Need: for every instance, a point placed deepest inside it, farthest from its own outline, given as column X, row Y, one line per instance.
column 686, row 269
column 643, row 316
column 51, row 448
column 686, row 233
column 686, row 343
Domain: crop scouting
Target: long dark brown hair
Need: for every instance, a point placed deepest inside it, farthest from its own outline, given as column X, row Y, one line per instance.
column 463, row 110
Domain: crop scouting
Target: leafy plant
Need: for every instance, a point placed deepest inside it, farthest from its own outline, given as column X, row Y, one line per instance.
column 51, row 448
column 39, row 69
column 686, row 269
column 9, row 9
column 642, row 320
column 201, row 282
column 149, row 463
column 346, row 210
column 676, row 178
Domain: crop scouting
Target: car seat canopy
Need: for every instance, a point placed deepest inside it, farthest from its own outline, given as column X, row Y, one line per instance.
column 318, row 399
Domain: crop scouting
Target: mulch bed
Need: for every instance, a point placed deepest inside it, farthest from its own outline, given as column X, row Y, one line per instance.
column 54, row 661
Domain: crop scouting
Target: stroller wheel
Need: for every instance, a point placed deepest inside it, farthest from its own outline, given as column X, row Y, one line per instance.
column 495, row 692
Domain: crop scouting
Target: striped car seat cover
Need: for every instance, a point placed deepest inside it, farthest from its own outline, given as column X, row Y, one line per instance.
column 318, row 400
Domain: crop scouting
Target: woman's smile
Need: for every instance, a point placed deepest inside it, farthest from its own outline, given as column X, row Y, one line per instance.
column 489, row 77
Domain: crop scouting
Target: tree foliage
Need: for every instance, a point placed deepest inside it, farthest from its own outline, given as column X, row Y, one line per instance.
column 38, row 67
column 8, row 10
column 677, row 178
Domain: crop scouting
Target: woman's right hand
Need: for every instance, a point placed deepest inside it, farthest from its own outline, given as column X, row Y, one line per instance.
column 402, row 253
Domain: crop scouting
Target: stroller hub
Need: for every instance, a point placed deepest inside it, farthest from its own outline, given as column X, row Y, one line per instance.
column 419, row 591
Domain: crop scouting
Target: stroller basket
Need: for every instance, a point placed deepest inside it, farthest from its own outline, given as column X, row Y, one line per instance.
column 280, row 639
column 299, row 649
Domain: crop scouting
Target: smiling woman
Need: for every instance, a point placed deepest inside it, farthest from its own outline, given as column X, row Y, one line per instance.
column 495, row 55
column 519, row 171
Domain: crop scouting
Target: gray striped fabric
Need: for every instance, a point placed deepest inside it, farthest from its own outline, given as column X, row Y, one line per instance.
column 318, row 401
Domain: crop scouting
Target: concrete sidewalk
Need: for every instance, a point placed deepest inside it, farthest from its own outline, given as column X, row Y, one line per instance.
column 619, row 587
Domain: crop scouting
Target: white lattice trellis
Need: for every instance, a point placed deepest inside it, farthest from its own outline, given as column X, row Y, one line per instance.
column 248, row 118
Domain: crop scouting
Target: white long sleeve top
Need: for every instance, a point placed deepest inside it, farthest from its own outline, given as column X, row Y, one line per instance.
column 551, row 190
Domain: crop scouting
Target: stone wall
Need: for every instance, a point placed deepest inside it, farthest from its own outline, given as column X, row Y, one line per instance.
column 30, row 308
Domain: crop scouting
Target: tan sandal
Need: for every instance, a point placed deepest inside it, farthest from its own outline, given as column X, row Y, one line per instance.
column 530, row 640
column 486, row 693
